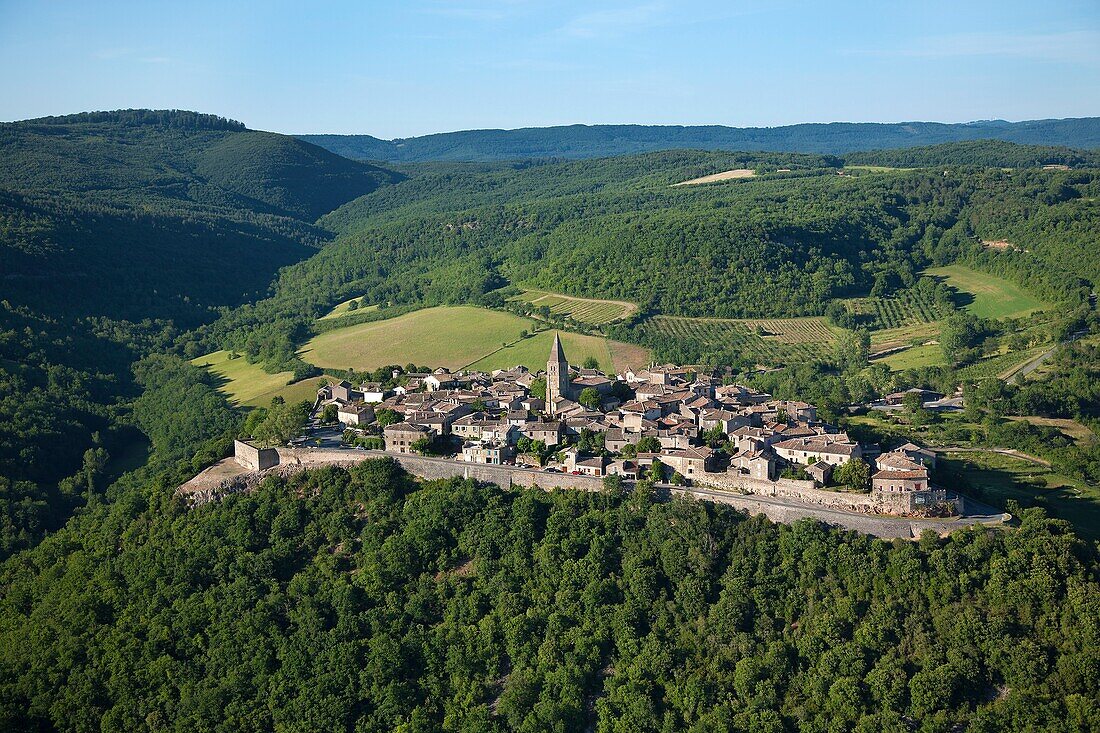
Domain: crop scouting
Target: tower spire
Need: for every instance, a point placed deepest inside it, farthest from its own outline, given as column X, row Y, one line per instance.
column 557, row 375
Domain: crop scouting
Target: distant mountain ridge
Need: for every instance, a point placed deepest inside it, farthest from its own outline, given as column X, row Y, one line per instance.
column 593, row 141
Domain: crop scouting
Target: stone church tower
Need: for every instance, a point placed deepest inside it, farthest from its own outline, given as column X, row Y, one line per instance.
column 557, row 375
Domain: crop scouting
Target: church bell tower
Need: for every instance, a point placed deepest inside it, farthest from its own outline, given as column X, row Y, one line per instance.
column 557, row 375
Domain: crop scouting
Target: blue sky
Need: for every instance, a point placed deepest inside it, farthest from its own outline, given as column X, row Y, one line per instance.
column 410, row 67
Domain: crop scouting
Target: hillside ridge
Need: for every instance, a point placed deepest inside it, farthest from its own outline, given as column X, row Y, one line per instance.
column 590, row 141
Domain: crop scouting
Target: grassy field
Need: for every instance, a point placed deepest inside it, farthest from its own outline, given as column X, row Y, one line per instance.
column 915, row 358
column 249, row 385
column 993, row 297
column 613, row 356
column 765, row 341
column 915, row 333
column 456, row 337
column 584, row 310
column 342, row 309
column 996, row 478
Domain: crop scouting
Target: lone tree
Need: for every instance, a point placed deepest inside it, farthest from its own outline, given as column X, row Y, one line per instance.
column 589, row 397
column 855, row 474
column 591, row 362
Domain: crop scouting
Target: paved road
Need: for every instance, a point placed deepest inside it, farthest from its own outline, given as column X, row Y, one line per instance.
column 1031, row 366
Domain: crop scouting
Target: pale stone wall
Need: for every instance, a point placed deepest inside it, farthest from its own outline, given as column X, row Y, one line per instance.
column 755, row 496
column 253, row 458
column 804, row 492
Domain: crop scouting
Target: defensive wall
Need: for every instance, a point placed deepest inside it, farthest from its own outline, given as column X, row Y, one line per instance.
column 784, row 500
column 806, row 493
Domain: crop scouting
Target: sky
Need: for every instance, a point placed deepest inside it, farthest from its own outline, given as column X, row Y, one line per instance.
column 411, row 67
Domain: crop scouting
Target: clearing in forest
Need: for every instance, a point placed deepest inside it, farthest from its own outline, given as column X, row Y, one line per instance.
column 249, row 385
column 593, row 311
column 990, row 296
column 344, row 309
column 723, row 176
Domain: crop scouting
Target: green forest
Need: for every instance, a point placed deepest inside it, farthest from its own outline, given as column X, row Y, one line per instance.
column 132, row 242
column 600, row 141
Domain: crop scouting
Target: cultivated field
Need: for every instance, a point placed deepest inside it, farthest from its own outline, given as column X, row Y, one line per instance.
column 915, row 358
column 584, row 310
column 993, row 297
column 249, row 385
column 343, row 310
column 455, row 337
column 723, row 176
column 765, row 341
column 904, row 309
column 917, row 333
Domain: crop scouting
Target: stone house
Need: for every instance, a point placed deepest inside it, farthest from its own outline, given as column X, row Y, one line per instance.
column 690, row 461
column 548, row 431
column 344, row 391
column 355, row 413
column 374, row 392
column 487, row 451
column 820, row 472
column 401, row 436
column 819, row 448
column 754, row 464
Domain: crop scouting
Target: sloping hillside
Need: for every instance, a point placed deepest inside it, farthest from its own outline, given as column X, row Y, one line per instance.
column 141, row 213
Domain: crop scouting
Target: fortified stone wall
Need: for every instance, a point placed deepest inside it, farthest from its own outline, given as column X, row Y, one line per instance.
column 805, row 492
column 438, row 468
column 878, row 526
column 754, row 496
column 253, row 458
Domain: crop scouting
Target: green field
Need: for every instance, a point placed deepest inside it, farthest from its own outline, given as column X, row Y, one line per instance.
column 583, row 310
column 913, row 334
column 531, row 352
column 343, row 310
column 916, row 357
column 764, row 341
column 993, row 297
column 996, row 478
column 249, row 385
column 455, row 337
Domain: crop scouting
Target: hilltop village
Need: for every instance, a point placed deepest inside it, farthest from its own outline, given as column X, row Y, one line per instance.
column 666, row 424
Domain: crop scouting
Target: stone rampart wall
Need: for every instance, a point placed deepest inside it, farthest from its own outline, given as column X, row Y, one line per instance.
column 754, row 496
column 804, row 492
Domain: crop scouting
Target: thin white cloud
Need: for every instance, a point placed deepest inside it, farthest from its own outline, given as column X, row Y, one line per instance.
column 1081, row 47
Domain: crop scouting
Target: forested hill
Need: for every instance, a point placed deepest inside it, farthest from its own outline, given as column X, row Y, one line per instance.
column 117, row 231
column 126, row 214
column 183, row 156
column 595, row 141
